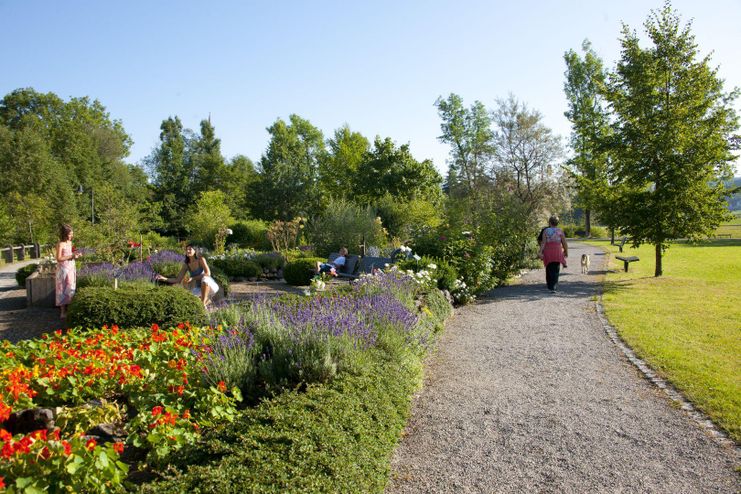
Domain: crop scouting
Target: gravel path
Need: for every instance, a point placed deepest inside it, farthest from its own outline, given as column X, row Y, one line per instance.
column 16, row 321
column 527, row 393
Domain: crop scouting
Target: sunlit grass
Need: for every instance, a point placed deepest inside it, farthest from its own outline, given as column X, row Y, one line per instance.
column 687, row 323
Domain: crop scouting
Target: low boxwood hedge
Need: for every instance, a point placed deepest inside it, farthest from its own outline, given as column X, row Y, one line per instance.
column 25, row 272
column 133, row 306
column 301, row 271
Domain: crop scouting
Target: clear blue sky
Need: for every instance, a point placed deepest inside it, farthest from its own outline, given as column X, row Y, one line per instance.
column 378, row 66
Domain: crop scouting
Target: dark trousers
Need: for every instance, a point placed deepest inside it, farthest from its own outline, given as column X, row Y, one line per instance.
column 552, row 271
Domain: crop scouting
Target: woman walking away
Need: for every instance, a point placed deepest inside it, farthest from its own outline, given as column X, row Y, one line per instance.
column 553, row 251
column 66, row 280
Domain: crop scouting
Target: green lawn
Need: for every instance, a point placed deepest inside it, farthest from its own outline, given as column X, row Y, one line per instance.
column 731, row 227
column 687, row 323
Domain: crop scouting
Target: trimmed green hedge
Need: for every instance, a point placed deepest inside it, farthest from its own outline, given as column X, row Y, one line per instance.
column 133, row 306
column 25, row 272
column 333, row 438
column 301, row 271
column 237, row 267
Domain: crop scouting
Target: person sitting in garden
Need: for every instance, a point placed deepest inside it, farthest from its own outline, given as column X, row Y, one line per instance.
column 332, row 267
column 201, row 283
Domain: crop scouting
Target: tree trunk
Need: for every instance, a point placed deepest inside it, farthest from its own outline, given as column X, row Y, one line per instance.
column 658, row 271
column 612, row 236
column 587, row 223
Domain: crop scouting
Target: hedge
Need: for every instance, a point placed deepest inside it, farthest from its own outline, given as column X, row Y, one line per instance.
column 25, row 272
column 133, row 306
column 236, row 267
column 333, row 438
column 301, row 271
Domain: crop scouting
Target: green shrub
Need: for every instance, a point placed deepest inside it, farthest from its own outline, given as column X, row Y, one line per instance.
column 598, row 231
column 473, row 263
column 25, row 272
column 238, row 267
column 344, row 224
column 331, row 438
column 132, row 306
column 269, row 260
column 250, row 233
column 301, row 271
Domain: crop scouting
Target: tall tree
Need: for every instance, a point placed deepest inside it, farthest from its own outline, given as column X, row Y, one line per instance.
column 208, row 163
column 672, row 127
column 590, row 127
column 172, row 174
column 239, row 178
column 289, row 171
column 56, row 147
column 469, row 134
column 388, row 169
column 337, row 172
column 526, row 150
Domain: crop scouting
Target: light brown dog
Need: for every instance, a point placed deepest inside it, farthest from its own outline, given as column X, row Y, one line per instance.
column 585, row 264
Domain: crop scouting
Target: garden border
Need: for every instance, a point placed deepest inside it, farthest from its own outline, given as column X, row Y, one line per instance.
column 702, row 420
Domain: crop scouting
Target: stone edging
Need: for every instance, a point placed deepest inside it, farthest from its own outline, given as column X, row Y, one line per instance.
column 700, row 418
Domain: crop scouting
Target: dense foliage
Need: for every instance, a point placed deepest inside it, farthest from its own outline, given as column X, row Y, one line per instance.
column 352, row 356
column 132, row 306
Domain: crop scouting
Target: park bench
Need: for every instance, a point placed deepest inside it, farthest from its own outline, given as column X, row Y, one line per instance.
column 355, row 266
column 622, row 244
column 349, row 269
column 627, row 260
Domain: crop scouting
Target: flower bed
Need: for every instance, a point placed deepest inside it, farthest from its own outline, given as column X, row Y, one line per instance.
column 160, row 389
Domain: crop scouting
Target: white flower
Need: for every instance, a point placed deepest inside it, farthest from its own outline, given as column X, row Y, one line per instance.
column 229, row 231
column 416, row 257
column 432, row 266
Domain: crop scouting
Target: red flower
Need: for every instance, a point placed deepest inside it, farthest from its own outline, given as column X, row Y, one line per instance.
column 186, row 414
column 45, row 453
column 67, row 448
column 156, row 411
column 90, row 444
column 39, row 434
column 5, row 436
column 155, row 327
column 7, row 450
column 2, row 482
column 118, row 447
column 221, row 386
column 5, row 411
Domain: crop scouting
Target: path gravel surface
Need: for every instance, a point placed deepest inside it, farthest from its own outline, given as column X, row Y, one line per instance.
column 527, row 393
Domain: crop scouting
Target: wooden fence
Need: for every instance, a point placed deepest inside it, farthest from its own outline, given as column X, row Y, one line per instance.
column 11, row 253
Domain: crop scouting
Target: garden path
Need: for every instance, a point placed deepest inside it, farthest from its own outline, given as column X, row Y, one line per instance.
column 17, row 322
column 527, row 393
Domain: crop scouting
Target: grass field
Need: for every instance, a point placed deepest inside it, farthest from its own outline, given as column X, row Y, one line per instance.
column 730, row 228
column 687, row 323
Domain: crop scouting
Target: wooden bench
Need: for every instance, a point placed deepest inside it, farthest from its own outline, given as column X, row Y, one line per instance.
column 723, row 235
column 627, row 260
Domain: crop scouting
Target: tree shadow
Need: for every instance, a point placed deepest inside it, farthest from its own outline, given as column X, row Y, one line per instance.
column 19, row 322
